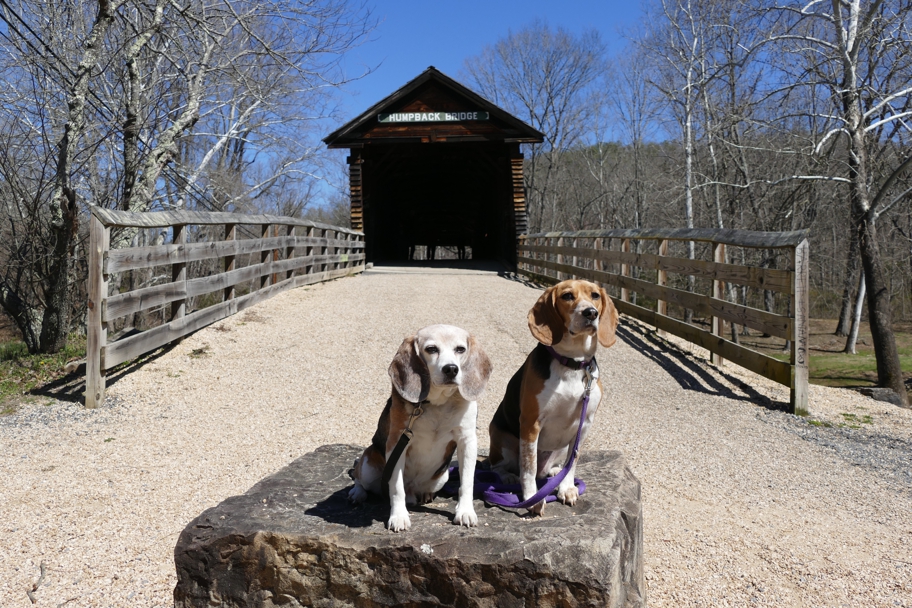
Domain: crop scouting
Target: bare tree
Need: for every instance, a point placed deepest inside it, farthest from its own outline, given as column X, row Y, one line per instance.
column 858, row 57
column 137, row 105
column 543, row 76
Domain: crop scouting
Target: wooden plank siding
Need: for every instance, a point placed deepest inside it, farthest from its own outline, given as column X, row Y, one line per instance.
column 544, row 257
column 281, row 260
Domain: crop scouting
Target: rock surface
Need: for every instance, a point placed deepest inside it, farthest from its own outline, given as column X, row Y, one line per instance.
column 294, row 540
column 882, row 394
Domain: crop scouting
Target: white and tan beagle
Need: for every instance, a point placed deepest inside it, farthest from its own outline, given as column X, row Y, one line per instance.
column 536, row 423
column 443, row 371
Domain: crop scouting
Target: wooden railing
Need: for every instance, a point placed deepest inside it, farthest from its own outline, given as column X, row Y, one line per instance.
column 554, row 256
column 285, row 253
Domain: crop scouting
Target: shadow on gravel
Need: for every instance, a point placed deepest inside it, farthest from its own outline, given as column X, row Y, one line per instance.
column 688, row 373
column 71, row 388
column 520, row 278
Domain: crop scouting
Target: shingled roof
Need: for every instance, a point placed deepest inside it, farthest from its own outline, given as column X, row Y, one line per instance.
column 363, row 128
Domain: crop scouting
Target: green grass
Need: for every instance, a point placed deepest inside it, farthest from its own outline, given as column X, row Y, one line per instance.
column 838, row 369
column 21, row 373
column 830, row 367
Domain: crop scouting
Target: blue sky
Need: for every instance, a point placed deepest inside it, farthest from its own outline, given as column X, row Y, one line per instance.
column 412, row 35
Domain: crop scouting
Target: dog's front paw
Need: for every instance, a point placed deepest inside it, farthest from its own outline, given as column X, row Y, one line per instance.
column 465, row 516
column 538, row 509
column 568, row 495
column 399, row 522
column 357, row 494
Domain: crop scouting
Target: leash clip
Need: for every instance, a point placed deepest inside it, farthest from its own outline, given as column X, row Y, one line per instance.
column 415, row 413
column 589, row 379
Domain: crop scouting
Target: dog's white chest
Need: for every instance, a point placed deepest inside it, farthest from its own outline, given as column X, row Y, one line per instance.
column 560, row 406
column 433, row 431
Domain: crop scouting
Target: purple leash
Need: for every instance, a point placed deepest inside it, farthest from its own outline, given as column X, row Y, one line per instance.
column 510, row 499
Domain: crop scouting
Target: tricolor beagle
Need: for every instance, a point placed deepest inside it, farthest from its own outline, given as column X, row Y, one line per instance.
column 443, row 371
column 536, row 423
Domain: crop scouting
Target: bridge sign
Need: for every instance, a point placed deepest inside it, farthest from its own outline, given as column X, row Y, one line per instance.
column 432, row 116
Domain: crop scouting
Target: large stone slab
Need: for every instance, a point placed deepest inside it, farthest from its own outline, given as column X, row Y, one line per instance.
column 294, row 540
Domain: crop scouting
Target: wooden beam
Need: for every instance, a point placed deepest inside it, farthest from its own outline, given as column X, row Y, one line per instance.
column 139, row 344
column 738, row 238
column 761, row 320
column 158, row 295
column 763, row 278
column 122, row 260
column 163, row 219
column 768, row 367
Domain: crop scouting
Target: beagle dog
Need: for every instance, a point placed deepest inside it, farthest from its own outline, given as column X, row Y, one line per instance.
column 438, row 375
column 536, row 423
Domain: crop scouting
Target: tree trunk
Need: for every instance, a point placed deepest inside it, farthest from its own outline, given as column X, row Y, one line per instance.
column 880, row 315
column 856, row 318
column 848, row 284
column 55, row 324
column 64, row 213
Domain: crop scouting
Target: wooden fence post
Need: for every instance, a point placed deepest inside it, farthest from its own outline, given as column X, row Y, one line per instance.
column 179, row 272
column 230, row 235
column 96, row 329
column 662, row 281
column 520, row 241
column 290, row 250
column 324, row 250
column 560, row 260
column 719, row 294
column 275, row 255
column 597, row 262
column 265, row 256
column 573, row 259
column 799, row 355
column 309, row 250
column 625, row 270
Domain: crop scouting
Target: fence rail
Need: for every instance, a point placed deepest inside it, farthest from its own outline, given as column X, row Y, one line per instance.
column 306, row 253
column 553, row 256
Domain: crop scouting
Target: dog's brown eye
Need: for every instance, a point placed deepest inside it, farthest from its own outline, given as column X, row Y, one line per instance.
column 567, row 296
column 431, row 350
column 595, row 295
column 459, row 350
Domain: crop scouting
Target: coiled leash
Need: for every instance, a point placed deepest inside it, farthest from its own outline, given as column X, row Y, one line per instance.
column 396, row 454
column 488, row 484
column 496, row 496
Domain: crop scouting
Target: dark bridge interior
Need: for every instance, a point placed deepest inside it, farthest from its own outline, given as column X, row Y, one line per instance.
column 455, row 195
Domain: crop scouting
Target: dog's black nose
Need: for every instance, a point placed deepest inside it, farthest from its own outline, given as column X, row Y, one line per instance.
column 450, row 370
column 590, row 313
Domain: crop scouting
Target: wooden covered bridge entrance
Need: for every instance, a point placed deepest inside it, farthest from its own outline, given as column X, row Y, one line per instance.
column 436, row 165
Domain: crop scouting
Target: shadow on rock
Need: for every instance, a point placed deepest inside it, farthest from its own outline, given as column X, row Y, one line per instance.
column 338, row 509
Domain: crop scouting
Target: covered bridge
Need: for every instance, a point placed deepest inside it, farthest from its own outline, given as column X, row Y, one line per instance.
column 436, row 165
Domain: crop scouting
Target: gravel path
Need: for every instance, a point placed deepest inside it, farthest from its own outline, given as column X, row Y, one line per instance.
column 743, row 503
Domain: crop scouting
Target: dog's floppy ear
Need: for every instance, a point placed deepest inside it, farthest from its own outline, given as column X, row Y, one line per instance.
column 409, row 373
column 608, row 320
column 476, row 370
column 545, row 323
